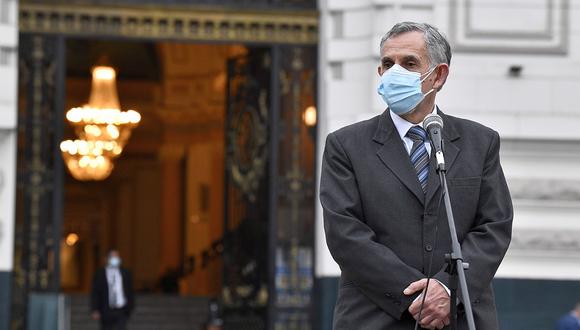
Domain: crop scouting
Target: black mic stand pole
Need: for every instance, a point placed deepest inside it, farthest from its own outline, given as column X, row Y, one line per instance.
column 455, row 265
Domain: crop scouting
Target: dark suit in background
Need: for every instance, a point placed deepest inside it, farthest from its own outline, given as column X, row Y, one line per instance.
column 112, row 318
column 380, row 225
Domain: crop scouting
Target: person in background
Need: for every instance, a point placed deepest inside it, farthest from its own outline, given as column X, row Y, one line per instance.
column 570, row 321
column 112, row 298
column 214, row 321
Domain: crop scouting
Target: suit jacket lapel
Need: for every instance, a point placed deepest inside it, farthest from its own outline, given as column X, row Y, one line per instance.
column 450, row 151
column 393, row 154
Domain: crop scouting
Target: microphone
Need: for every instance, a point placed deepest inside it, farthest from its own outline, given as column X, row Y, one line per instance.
column 433, row 125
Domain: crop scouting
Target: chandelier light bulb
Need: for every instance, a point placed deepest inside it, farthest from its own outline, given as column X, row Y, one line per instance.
column 84, row 161
column 134, row 116
column 104, row 73
column 74, row 115
column 113, row 131
column 109, row 145
column 72, row 148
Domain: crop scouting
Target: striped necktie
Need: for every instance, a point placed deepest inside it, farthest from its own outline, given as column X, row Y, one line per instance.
column 419, row 155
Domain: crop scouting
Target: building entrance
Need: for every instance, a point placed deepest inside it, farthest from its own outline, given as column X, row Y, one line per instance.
column 213, row 196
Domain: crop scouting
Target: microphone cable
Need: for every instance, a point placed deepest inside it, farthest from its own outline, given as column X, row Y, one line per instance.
column 429, row 275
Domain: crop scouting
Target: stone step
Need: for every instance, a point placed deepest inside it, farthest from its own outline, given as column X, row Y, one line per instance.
column 152, row 312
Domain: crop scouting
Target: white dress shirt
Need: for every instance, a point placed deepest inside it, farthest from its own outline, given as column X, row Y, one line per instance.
column 117, row 297
column 403, row 127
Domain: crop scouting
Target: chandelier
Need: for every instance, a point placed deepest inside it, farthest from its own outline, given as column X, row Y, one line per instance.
column 101, row 127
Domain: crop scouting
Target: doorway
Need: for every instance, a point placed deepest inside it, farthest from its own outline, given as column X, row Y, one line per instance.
column 162, row 206
column 179, row 172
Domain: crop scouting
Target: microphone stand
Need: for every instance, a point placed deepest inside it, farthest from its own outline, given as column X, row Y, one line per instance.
column 455, row 265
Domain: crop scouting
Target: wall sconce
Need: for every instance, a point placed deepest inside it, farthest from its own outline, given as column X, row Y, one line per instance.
column 310, row 116
column 72, row 239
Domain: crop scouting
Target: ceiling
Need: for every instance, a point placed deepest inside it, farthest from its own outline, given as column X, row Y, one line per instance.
column 131, row 59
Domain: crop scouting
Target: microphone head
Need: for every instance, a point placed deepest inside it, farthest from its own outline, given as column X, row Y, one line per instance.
column 432, row 120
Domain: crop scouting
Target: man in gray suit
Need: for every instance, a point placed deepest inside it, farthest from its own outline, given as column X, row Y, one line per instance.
column 381, row 198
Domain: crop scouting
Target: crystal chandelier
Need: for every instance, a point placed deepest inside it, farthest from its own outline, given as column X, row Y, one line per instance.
column 102, row 129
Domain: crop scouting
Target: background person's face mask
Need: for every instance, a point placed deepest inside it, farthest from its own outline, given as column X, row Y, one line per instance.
column 401, row 89
column 114, row 261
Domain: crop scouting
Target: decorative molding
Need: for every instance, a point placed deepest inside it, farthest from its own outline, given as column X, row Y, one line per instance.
column 6, row 54
column 237, row 4
column 191, row 24
column 546, row 241
column 5, row 12
column 544, row 34
column 545, row 189
column 533, row 148
column 552, row 39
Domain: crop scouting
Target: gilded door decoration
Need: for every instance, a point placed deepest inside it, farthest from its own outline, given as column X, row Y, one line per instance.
column 39, row 180
column 253, row 4
column 245, row 282
column 247, row 128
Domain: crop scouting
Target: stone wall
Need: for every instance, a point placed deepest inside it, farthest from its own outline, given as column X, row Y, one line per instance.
column 515, row 68
column 8, row 87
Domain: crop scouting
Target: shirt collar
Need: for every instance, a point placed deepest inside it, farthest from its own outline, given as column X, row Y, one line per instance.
column 402, row 125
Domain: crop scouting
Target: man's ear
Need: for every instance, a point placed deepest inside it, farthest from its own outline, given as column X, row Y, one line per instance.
column 442, row 72
column 380, row 70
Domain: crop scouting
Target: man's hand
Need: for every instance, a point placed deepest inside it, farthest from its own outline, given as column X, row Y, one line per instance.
column 436, row 311
column 96, row 315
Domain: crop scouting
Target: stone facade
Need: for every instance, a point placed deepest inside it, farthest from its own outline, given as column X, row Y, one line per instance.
column 8, row 97
column 515, row 68
column 8, row 94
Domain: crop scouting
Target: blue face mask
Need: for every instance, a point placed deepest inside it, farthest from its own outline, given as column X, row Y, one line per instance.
column 114, row 262
column 401, row 89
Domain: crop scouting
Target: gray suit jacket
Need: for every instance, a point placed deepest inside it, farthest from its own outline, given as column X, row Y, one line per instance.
column 380, row 226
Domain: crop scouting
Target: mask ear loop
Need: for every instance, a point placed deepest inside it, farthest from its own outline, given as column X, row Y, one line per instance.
column 428, row 73
column 427, row 76
column 429, row 92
